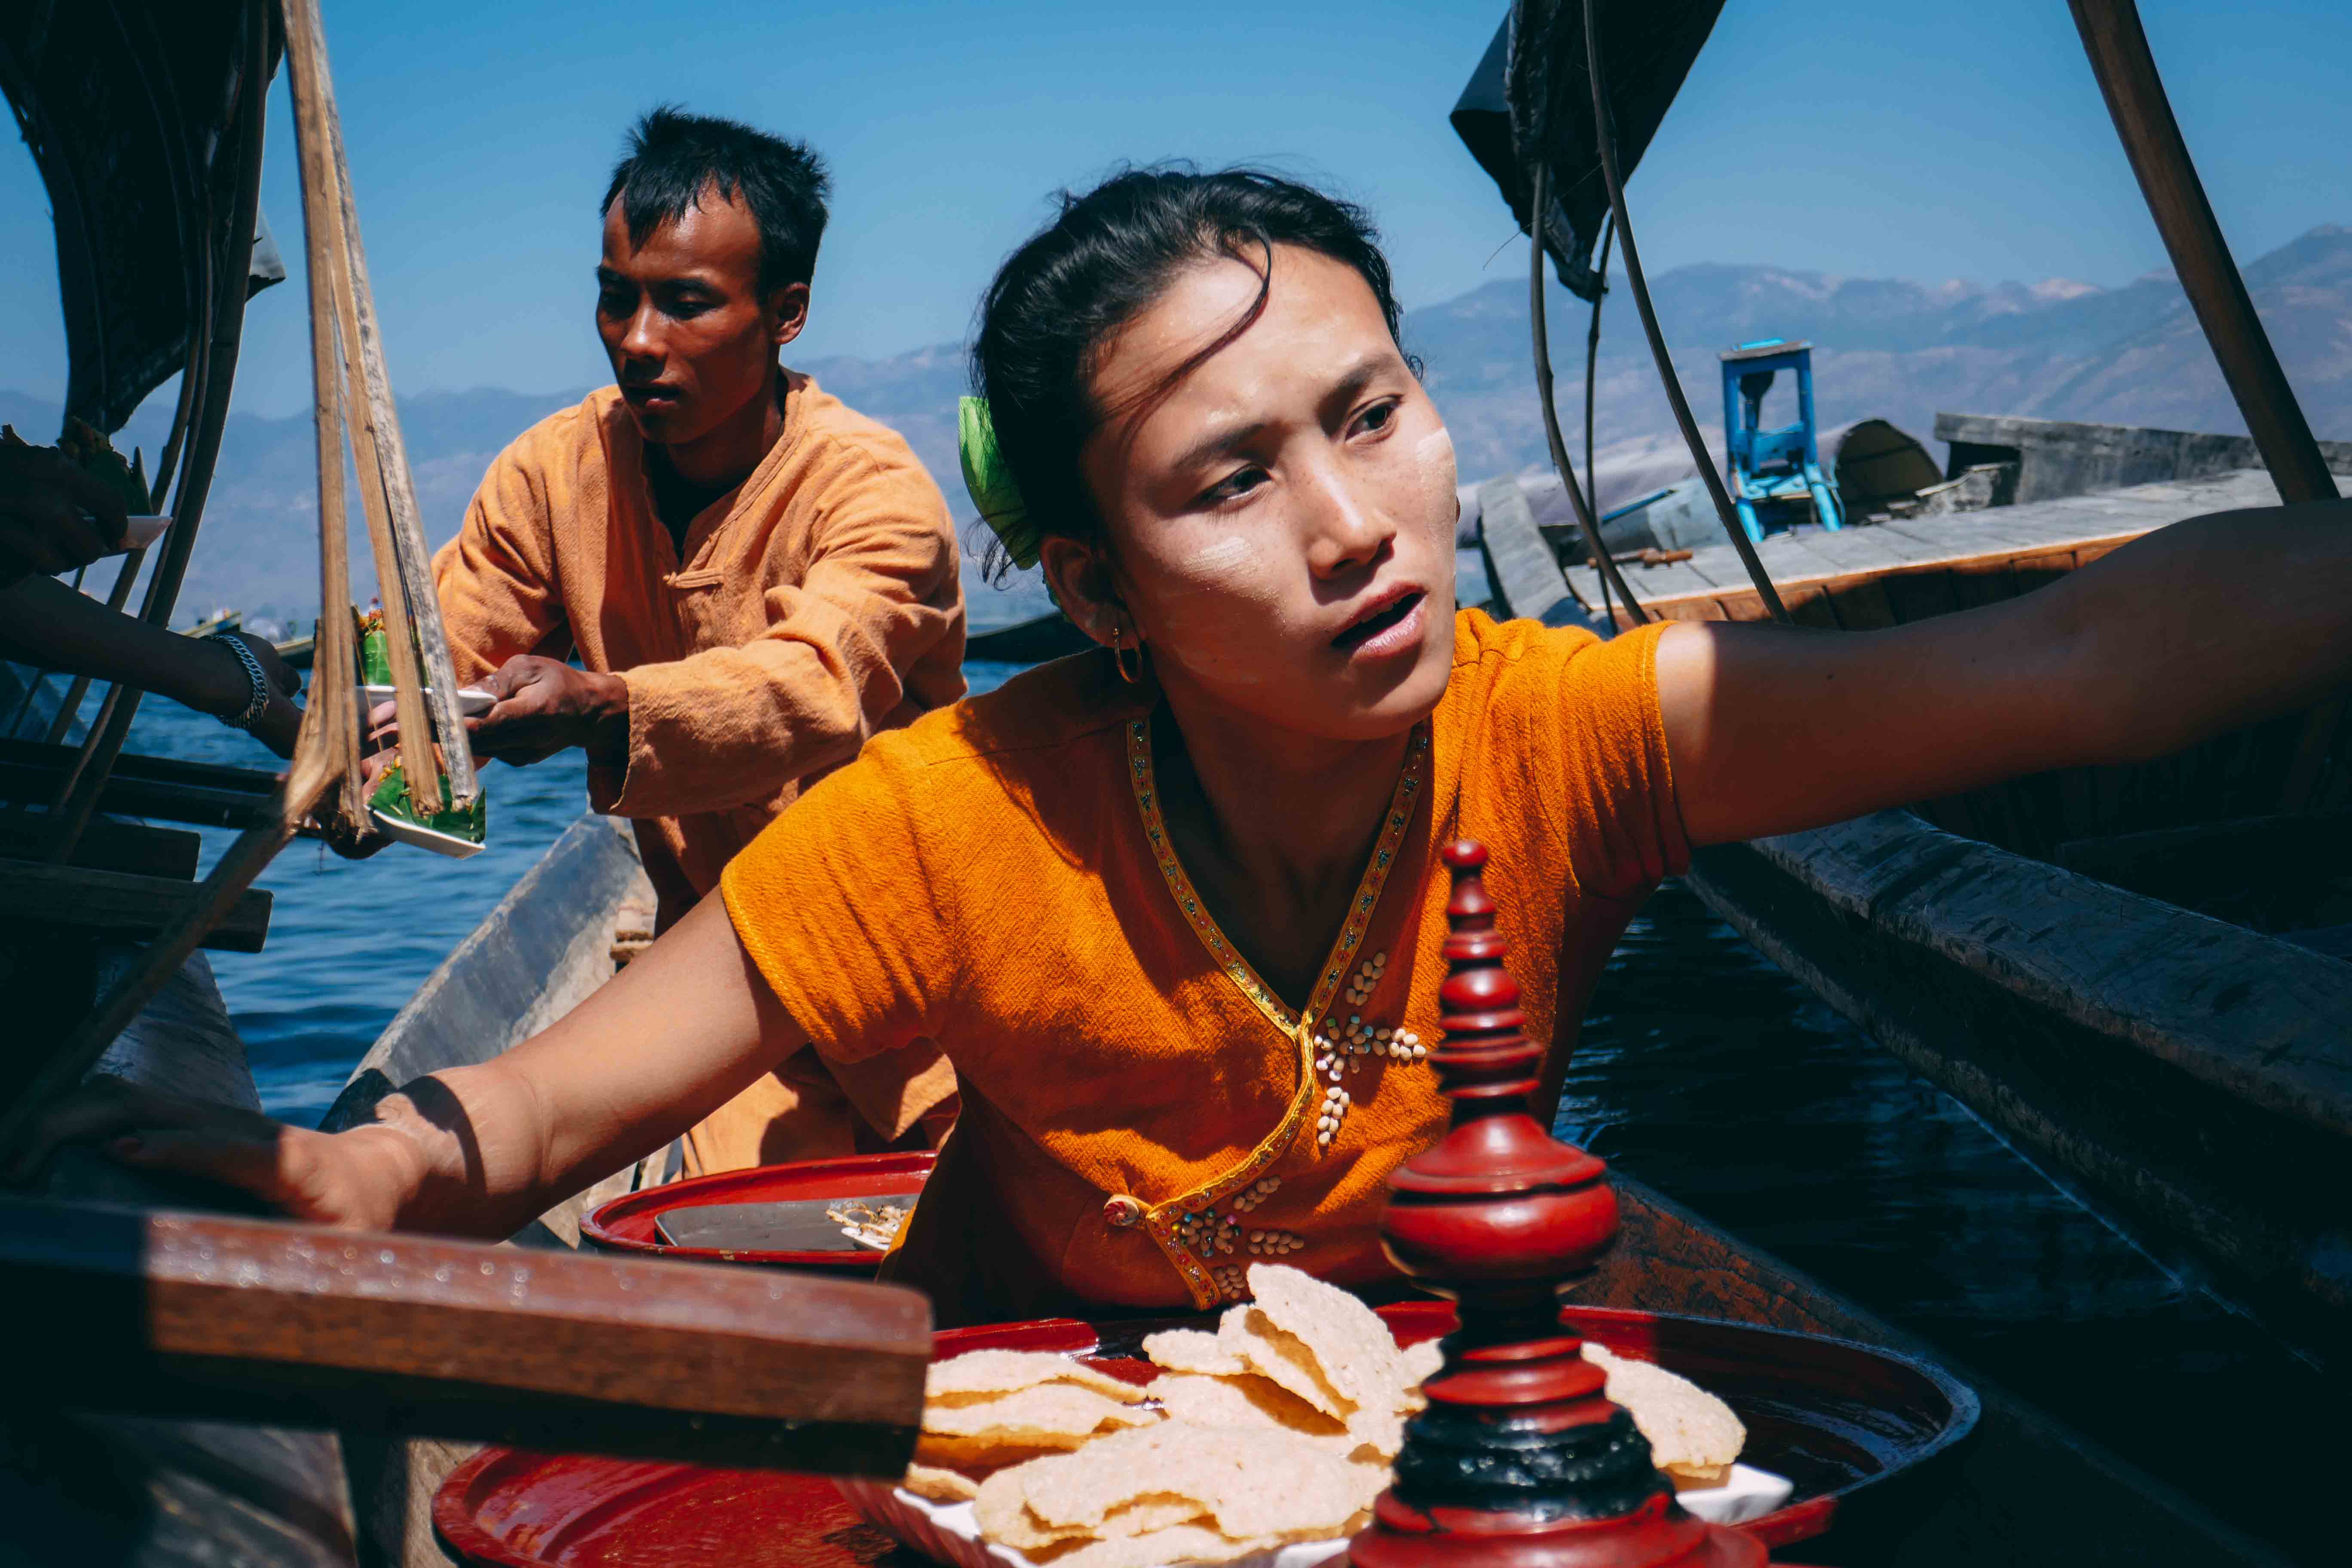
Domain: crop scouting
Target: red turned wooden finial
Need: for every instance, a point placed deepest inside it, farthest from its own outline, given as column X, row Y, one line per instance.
column 1520, row 1461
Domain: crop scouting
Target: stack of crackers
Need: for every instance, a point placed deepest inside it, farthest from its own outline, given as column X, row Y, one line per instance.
column 1278, row 1428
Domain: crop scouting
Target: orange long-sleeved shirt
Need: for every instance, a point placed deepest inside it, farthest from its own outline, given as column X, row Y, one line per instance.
column 817, row 603
column 1139, row 1105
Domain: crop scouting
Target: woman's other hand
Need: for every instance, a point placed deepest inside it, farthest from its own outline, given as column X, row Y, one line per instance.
column 356, row 1179
column 53, row 516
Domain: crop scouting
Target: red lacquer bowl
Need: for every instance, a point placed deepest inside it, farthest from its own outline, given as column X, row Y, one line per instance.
column 1832, row 1416
column 626, row 1224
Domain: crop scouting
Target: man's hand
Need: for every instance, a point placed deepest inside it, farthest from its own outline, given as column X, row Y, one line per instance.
column 545, row 706
column 53, row 516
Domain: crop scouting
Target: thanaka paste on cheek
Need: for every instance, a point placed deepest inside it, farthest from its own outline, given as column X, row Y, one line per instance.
column 1434, row 455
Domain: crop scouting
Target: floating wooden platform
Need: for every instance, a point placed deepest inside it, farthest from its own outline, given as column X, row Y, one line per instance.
column 1867, row 577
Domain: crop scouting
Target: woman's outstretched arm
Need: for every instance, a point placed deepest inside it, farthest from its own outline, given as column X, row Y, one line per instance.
column 2196, row 628
column 479, row 1151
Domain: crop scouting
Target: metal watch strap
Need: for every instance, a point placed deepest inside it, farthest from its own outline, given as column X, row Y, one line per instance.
column 260, row 703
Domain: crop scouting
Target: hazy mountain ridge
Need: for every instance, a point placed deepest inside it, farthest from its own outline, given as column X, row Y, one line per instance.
column 1891, row 347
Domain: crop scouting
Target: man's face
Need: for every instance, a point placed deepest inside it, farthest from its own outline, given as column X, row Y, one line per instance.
column 688, row 332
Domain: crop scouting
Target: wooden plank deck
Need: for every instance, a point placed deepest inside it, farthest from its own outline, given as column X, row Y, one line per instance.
column 1838, row 579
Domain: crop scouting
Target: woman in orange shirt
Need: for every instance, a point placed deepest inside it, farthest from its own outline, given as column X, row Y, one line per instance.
column 1174, row 905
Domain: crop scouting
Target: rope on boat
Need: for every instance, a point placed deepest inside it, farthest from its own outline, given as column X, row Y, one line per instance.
column 1590, row 524
column 1604, row 130
column 1592, row 370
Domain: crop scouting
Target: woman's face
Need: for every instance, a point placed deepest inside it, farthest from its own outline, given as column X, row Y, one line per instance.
column 1282, row 521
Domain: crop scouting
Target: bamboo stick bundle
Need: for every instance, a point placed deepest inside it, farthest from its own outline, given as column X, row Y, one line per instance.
column 411, row 616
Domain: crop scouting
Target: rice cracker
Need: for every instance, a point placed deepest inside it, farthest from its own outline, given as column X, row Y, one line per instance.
column 987, row 1372
column 1252, row 1483
column 1246, row 1400
column 1693, row 1435
column 1192, row 1350
column 1050, row 1414
column 1352, row 1349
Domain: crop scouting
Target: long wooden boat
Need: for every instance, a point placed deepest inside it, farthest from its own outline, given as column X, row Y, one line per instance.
column 2022, row 1489
column 2136, row 974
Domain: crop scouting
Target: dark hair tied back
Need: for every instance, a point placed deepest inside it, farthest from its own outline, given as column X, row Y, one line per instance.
column 1099, row 264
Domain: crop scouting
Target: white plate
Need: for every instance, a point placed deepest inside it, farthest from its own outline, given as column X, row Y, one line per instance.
column 948, row 1532
column 471, row 699
column 141, row 528
column 448, row 844
column 1747, row 1494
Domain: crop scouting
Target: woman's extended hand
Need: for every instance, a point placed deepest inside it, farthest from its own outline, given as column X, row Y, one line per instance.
column 356, row 1179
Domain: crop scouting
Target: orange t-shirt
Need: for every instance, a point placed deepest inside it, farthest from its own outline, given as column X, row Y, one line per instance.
column 996, row 876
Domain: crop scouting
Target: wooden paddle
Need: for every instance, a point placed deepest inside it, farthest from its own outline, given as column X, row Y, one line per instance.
column 168, row 1313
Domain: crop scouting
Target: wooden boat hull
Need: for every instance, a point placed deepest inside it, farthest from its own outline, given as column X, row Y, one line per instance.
column 2022, row 1489
column 2188, row 1078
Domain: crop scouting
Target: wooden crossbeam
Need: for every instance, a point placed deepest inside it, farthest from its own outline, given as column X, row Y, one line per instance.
column 109, row 847
column 204, row 794
column 214, row 1317
column 121, row 906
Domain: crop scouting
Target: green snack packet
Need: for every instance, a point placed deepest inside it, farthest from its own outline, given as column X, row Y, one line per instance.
column 375, row 655
column 470, row 822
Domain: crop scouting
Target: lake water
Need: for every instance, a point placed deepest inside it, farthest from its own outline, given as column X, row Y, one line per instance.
column 1704, row 1070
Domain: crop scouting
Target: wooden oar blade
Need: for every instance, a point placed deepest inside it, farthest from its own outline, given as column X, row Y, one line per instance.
column 204, row 1315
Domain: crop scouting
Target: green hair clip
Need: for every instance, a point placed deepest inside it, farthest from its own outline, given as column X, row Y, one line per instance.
column 989, row 479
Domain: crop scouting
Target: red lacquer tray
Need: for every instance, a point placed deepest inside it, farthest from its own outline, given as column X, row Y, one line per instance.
column 1831, row 1415
column 626, row 1224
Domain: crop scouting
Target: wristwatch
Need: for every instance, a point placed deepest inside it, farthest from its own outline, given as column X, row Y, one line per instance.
column 260, row 705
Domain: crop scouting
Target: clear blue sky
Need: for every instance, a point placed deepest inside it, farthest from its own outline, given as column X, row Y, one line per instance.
column 1847, row 136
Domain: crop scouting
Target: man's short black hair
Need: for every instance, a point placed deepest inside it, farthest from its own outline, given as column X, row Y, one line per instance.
column 675, row 156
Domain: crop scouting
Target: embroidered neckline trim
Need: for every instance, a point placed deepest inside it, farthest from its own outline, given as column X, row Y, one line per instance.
column 1161, row 1220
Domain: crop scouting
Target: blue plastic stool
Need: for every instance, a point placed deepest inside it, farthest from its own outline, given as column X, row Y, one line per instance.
column 1770, row 471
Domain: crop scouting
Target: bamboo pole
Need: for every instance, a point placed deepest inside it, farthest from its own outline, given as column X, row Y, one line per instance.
column 1604, row 136
column 374, row 409
column 2129, row 79
column 1585, row 518
column 327, row 258
column 2120, row 58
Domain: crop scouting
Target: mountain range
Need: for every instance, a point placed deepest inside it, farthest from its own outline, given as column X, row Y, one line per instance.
column 1892, row 348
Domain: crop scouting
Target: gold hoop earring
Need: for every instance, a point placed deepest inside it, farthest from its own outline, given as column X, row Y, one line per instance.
column 1118, row 657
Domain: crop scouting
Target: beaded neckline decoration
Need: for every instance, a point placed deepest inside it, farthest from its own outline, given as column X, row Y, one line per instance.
column 1202, row 1240
column 1344, row 1045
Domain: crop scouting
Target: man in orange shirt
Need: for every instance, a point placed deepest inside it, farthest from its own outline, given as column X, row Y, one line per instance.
column 753, row 578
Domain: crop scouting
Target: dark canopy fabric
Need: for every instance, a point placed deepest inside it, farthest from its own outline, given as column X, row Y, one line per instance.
column 1531, row 97
column 126, row 105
